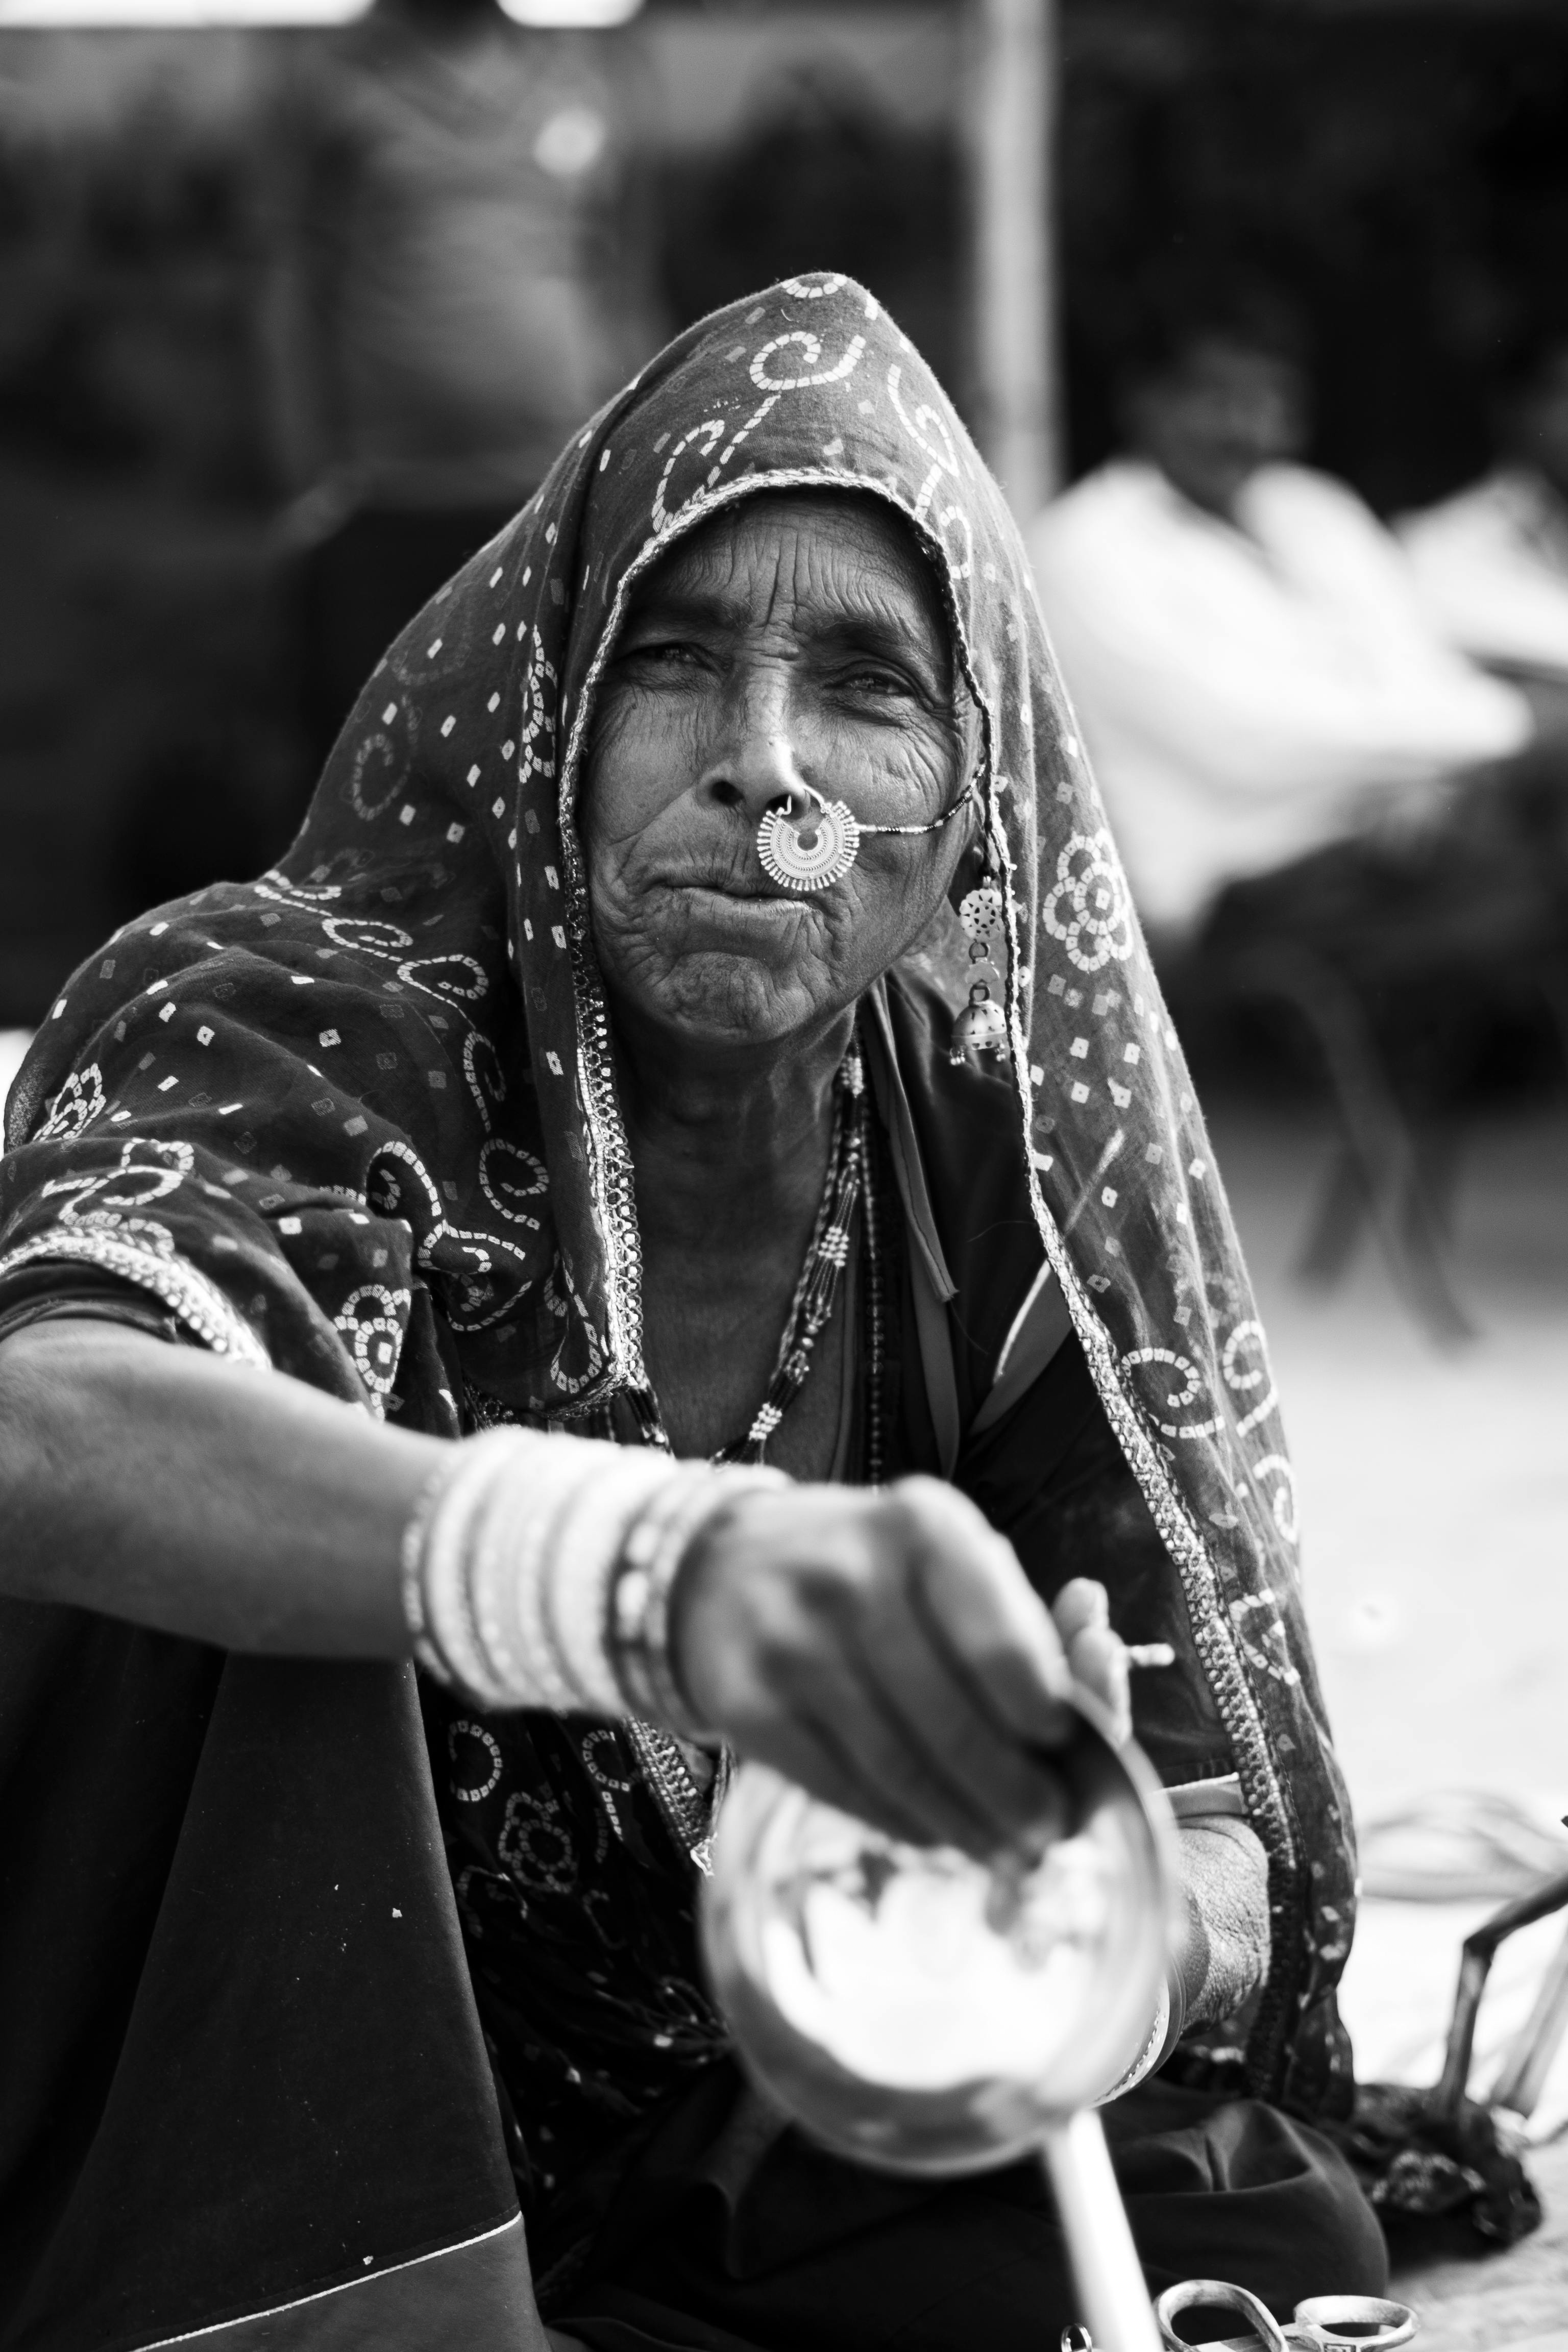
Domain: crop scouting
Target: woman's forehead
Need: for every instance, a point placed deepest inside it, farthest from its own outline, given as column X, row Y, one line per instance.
column 846, row 555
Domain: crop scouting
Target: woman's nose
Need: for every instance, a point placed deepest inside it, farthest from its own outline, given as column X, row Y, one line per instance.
column 754, row 768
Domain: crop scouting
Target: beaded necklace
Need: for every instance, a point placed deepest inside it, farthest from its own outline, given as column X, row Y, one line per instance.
column 688, row 1806
column 688, row 1785
column 846, row 1188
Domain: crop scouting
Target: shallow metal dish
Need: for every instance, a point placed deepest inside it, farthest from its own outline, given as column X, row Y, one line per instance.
column 924, row 2013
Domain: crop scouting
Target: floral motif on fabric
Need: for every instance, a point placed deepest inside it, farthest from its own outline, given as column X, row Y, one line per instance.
column 389, row 1062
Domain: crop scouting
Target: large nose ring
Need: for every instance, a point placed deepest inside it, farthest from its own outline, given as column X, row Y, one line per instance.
column 812, row 850
column 816, row 848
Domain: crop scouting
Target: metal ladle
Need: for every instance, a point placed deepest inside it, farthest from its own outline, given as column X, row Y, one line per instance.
column 921, row 2012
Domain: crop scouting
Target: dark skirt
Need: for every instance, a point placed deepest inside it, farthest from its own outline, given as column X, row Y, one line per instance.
column 731, row 2233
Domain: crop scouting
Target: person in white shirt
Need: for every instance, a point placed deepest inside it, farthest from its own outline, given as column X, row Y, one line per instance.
column 1253, row 670
column 1491, row 564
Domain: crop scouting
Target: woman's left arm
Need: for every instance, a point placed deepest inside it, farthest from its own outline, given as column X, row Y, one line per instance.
column 1223, row 1951
column 1053, row 1478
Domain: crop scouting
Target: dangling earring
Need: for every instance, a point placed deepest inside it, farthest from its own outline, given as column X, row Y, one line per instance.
column 981, row 1026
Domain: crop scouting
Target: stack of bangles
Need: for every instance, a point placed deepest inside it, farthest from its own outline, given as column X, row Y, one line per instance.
column 538, row 1570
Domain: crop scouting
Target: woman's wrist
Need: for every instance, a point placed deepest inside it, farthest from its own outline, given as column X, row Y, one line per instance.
column 538, row 1570
column 673, row 1535
column 1165, row 2030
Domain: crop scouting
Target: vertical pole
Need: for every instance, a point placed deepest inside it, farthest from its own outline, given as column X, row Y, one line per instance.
column 1012, row 127
column 1111, row 2295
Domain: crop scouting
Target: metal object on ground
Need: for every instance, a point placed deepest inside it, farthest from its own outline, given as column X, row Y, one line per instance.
column 1325, row 2323
column 925, row 2013
column 1544, row 2028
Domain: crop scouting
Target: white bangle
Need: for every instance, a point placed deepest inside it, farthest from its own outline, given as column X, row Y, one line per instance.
column 507, row 1562
column 538, row 1569
column 436, row 1549
column 652, row 1556
column 592, row 1532
column 511, row 1552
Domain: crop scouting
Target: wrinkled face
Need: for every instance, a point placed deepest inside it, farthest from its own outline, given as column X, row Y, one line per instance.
column 791, row 635
column 1212, row 420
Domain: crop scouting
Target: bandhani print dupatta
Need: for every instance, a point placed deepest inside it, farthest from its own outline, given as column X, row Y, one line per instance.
column 357, row 1119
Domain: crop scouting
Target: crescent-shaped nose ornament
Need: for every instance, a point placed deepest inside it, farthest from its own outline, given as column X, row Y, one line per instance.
column 812, row 850
column 816, row 847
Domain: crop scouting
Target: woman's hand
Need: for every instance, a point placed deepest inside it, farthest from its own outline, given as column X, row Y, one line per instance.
column 888, row 1653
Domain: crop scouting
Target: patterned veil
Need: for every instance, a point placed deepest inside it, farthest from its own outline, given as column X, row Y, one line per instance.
column 357, row 1119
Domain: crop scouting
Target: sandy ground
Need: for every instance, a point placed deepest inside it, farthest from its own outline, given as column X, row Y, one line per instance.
column 1434, row 1504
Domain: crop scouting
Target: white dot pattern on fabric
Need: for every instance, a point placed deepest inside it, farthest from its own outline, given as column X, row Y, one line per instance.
column 419, row 899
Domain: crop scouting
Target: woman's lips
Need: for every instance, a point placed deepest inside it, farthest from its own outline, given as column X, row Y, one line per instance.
column 737, row 894
column 728, row 906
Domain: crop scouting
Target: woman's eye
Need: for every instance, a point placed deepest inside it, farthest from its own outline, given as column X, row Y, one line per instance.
column 874, row 680
column 671, row 659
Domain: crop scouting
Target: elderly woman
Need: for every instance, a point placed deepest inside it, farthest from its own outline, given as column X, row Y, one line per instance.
column 539, row 1292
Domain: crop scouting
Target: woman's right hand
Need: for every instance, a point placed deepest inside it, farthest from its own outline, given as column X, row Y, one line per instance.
column 887, row 1652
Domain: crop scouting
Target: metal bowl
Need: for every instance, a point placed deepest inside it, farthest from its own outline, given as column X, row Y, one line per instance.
column 922, row 2012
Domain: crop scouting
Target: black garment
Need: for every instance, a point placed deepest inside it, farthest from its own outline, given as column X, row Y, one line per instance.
column 578, row 1909
column 1433, row 940
column 242, row 2066
column 608, row 2079
column 1467, row 905
column 578, row 1904
column 731, row 2233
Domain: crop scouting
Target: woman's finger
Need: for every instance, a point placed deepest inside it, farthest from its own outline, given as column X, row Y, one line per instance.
column 1081, row 1604
column 1008, row 1795
column 1081, row 1613
column 889, row 1758
column 810, row 1750
column 1099, row 1660
column 983, row 1614
column 878, row 1777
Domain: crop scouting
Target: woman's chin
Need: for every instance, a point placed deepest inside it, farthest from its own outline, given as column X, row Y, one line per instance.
column 715, row 997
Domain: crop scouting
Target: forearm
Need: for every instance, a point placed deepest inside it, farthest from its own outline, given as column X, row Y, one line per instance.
column 151, row 1482
column 1224, row 1950
column 158, row 1484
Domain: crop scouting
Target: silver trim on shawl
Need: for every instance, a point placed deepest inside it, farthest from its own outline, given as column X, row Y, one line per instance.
column 199, row 1304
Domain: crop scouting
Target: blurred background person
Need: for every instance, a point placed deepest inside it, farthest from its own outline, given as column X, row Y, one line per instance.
column 1492, row 561
column 458, row 283
column 1252, row 666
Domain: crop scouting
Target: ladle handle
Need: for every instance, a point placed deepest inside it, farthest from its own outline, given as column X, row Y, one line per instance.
column 1112, row 2297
